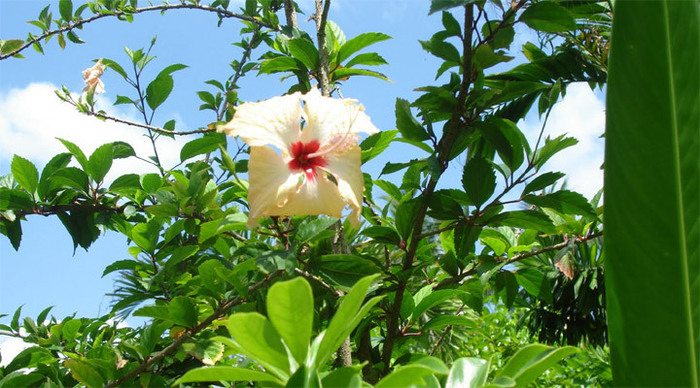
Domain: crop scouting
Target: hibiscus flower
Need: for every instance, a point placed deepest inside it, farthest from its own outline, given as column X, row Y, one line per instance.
column 92, row 76
column 304, row 156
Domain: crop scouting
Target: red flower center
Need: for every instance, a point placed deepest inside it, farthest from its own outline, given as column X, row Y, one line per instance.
column 302, row 162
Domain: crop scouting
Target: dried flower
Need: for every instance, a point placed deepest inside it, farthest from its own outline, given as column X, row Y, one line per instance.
column 92, row 76
column 304, row 156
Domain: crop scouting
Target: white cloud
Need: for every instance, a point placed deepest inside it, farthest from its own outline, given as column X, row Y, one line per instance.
column 580, row 114
column 31, row 118
column 10, row 347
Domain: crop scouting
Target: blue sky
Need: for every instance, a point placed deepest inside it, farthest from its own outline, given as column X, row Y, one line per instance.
column 45, row 272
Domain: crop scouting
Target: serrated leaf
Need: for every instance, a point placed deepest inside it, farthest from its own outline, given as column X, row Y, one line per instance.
column 158, row 91
column 478, row 180
column 101, row 161
column 358, row 43
column 563, row 201
column 548, row 16
column 409, row 127
column 25, row 173
column 543, row 181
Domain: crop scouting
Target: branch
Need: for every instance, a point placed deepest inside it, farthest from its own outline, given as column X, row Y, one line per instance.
column 221, row 310
column 159, row 130
column 577, row 240
column 321, row 17
column 71, row 26
column 444, row 148
column 290, row 14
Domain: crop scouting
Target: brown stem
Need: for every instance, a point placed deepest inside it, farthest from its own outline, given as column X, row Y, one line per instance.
column 290, row 14
column 322, row 8
column 444, row 149
column 77, row 24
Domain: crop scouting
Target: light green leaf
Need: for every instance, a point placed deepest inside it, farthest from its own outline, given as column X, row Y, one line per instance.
column 25, row 173
column 259, row 340
column 77, row 153
column 346, row 318
column 367, row 59
column 290, row 308
column 531, row 361
column 202, row 145
column 225, row 373
column 411, row 375
column 84, row 373
column 468, row 372
column 652, row 201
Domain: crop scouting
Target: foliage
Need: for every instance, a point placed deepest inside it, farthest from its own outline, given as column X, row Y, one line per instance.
column 282, row 304
column 655, row 276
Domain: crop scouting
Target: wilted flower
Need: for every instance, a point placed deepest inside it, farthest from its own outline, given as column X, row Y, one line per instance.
column 304, row 156
column 92, row 76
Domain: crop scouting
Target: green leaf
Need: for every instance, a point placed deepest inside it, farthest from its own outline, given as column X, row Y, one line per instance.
column 57, row 162
column 441, row 5
column 347, row 72
column 548, row 16
column 479, row 180
column 151, row 182
column 171, row 69
column 552, row 147
column 563, row 201
column 290, row 308
column 531, row 361
column 652, row 175
column 183, row 311
column 411, row 375
column 358, row 43
column 409, row 127
column 122, row 150
column 259, row 340
column 115, row 66
column 77, row 153
column 65, row 8
column 225, row 373
column 442, row 321
column 311, row 228
column 543, row 181
column 345, row 270
column 278, row 64
column 25, row 173
column 432, row 300
column 526, row 219
column 158, row 91
column 145, row 235
column 346, row 318
column 202, row 145
column 468, row 372
column 101, row 161
column 304, row 50
column 84, row 373
column 375, row 144
column 442, row 49
column 367, row 59
column 346, row 377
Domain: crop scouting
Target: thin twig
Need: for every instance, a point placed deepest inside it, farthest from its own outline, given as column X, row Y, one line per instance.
column 77, row 24
column 577, row 240
column 159, row 130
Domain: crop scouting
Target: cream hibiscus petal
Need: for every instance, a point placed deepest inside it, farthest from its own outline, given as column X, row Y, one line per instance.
column 276, row 122
column 270, row 183
column 345, row 168
column 329, row 119
column 319, row 196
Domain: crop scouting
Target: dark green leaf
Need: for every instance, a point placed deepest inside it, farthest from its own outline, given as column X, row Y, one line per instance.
column 101, row 161
column 122, row 150
column 304, row 50
column 116, row 67
column 526, row 219
column 551, row 147
column 278, row 64
column 375, row 144
column 77, row 152
column 563, row 201
column 202, row 145
column 479, row 180
column 409, row 127
column 543, row 181
column 65, row 8
column 158, row 91
column 311, row 228
column 652, row 175
column 25, row 173
column 548, row 16
column 367, row 59
column 441, row 5
column 347, row 72
column 183, row 311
